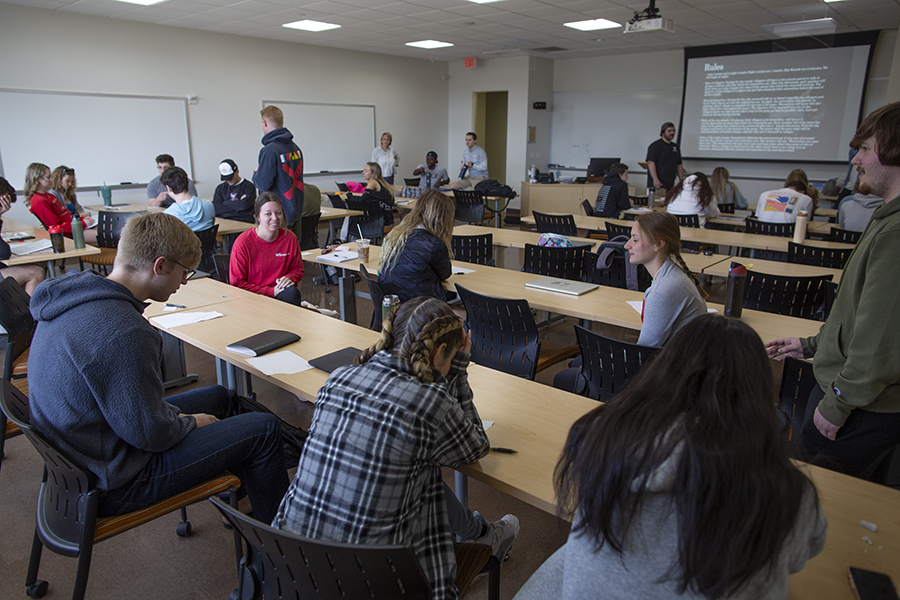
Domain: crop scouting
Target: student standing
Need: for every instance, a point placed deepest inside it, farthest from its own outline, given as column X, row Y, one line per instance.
column 664, row 160
column 386, row 157
column 280, row 169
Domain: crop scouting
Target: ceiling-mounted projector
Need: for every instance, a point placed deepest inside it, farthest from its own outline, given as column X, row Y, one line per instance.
column 649, row 20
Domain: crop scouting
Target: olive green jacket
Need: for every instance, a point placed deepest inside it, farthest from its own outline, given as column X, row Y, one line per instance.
column 857, row 351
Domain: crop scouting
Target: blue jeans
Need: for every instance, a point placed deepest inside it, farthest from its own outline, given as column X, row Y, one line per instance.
column 248, row 445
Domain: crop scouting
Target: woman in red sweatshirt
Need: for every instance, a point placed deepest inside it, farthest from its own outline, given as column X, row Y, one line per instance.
column 45, row 206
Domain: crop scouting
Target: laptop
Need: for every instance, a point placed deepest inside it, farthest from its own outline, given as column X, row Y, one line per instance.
column 552, row 284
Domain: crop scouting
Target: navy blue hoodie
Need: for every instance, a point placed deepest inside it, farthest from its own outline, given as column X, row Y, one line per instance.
column 280, row 171
column 94, row 377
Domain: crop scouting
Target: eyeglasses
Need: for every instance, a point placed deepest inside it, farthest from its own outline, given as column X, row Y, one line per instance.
column 188, row 272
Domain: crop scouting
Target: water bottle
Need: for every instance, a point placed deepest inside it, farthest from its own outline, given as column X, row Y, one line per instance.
column 77, row 232
column 428, row 180
column 388, row 304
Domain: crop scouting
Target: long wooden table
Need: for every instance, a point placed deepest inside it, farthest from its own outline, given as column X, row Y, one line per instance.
column 534, row 419
column 48, row 255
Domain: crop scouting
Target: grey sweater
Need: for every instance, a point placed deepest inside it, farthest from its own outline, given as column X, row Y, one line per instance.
column 669, row 303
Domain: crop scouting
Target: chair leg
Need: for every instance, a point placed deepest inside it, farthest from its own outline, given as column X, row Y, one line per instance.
column 183, row 529
column 84, row 569
column 493, row 569
column 33, row 587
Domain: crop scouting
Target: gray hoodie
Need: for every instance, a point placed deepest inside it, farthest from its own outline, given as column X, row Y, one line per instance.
column 856, row 212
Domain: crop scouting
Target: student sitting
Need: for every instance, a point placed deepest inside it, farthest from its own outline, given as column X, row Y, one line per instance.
column 378, row 190
column 415, row 257
column 370, row 471
column 800, row 175
column 266, row 259
column 64, row 187
column 672, row 300
column 28, row 276
column 693, row 196
column 235, row 196
column 725, row 190
column 431, row 175
column 45, row 206
column 196, row 213
column 97, row 390
column 857, row 211
column 613, row 196
column 681, row 486
column 783, row 206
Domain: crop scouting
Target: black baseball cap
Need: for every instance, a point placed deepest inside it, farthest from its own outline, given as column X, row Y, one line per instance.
column 227, row 169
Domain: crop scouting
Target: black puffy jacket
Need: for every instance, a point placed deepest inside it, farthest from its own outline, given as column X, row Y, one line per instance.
column 423, row 263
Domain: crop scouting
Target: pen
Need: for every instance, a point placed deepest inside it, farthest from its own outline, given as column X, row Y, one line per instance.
column 176, row 305
column 504, row 450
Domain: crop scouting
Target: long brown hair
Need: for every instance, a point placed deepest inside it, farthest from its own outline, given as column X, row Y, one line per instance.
column 433, row 211
column 663, row 227
column 703, row 408
column 33, row 173
column 413, row 332
column 699, row 186
column 377, row 176
column 57, row 177
column 720, row 183
column 800, row 175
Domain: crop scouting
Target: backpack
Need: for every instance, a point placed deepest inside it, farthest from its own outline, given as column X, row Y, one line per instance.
column 492, row 187
column 554, row 240
column 615, row 247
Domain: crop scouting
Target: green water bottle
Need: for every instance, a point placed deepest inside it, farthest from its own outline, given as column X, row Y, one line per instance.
column 77, row 232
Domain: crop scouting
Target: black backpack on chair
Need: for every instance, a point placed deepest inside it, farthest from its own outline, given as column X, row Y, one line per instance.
column 492, row 187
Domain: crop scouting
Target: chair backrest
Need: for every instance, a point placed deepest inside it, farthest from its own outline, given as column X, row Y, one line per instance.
column 290, row 566
column 830, row 294
column 688, row 221
column 411, row 181
column 223, row 264
column 560, row 224
column 342, row 187
column 588, row 208
column 762, row 228
column 469, row 206
column 608, row 364
column 208, row 247
column 844, row 236
column 377, row 295
column 478, row 249
column 504, row 335
column 726, row 208
column 638, row 200
column 337, row 201
column 68, row 498
column 792, row 296
column 797, row 381
column 614, row 276
column 371, row 222
column 563, row 263
column 109, row 227
column 309, row 231
column 615, row 230
column 832, row 258
column 15, row 318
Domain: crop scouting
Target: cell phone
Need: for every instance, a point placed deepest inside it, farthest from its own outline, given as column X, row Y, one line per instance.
column 869, row 585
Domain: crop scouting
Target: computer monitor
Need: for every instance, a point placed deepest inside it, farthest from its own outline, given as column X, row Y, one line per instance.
column 599, row 167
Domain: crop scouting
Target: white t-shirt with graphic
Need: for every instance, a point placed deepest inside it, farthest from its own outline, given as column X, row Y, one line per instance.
column 782, row 206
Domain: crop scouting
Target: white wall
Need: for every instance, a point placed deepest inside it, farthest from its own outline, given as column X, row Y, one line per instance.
column 56, row 50
column 540, row 89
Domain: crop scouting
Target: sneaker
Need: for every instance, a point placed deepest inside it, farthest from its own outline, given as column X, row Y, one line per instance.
column 500, row 534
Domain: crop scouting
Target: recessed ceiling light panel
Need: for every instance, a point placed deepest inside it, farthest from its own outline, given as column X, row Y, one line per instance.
column 593, row 24
column 143, row 2
column 307, row 25
column 429, row 44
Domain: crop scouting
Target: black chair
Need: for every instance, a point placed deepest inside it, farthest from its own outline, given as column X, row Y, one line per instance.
column 477, row 249
column 727, row 208
column 280, row 564
column 337, row 201
column 208, row 248
column 505, row 337
column 67, row 521
column 608, row 364
column 371, row 222
column 559, row 224
column 638, row 200
column 762, row 228
column 688, row 221
column 223, row 264
column 562, row 263
column 832, row 258
column 309, row 231
column 16, row 319
column 109, row 230
column 342, row 187
column 411, row 181
column 791, row 296
column 845, row 236
column 614, row 276
column 588, row 208
column 377, row 297
column 831, row 289
column 614, row 230
column 797, row 381
column 470, row 206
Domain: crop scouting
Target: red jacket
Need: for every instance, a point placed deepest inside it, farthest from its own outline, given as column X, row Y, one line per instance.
column 257, row 264
column 50, row 212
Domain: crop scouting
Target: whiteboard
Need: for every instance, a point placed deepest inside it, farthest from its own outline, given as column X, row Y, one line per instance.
column 332, row 137
column 618, row 122
column 108, row 138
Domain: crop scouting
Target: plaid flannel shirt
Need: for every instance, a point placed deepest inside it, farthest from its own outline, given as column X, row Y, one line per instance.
column 370, row 471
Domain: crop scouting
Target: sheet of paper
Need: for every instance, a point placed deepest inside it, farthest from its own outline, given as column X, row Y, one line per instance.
column 487, row 423
column 339, row 256
column 184, row 318
column 461, row 270
column 12, row 236
column 637, row 305
column 30, row 247
column 274, row 363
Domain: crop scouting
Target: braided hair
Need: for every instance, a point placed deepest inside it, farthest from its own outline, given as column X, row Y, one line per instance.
column 414, row 330
column 661, row 226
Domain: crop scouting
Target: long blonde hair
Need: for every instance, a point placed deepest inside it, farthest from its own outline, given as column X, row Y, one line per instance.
column 414, row 330
column 33, row 172
column 433, row 211
column 377, row 176
column 661, row 226
column 720, row 183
